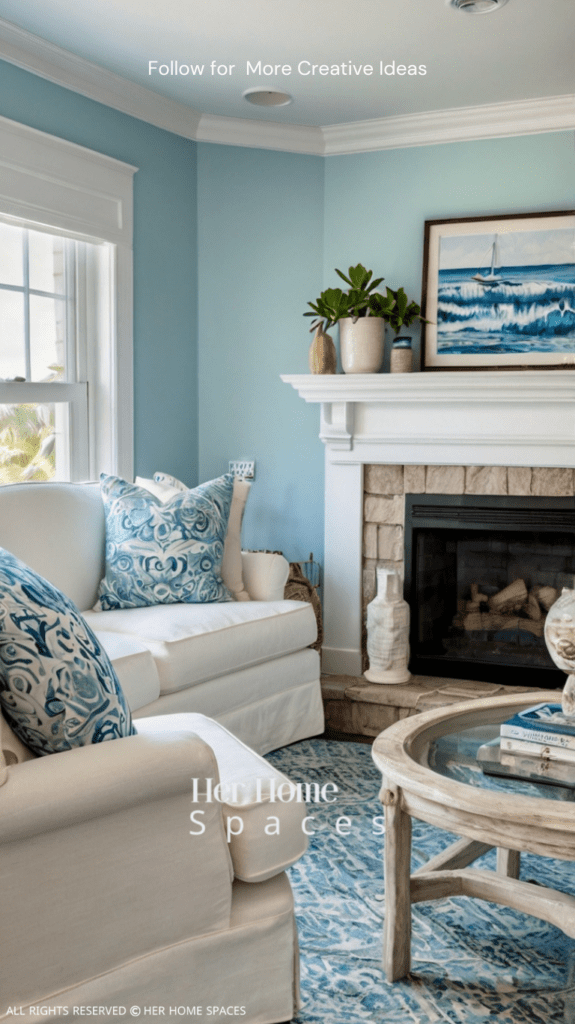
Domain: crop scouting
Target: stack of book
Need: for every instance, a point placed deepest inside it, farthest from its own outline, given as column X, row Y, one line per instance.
column 539, row 743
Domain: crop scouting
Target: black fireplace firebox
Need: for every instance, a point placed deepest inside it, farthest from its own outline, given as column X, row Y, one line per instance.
column 481, row 573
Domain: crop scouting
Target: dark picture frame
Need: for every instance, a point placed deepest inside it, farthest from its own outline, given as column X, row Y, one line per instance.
column 499, row 292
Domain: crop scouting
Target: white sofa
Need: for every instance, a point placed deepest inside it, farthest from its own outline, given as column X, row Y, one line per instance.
column 113, row 896
column 246, row 664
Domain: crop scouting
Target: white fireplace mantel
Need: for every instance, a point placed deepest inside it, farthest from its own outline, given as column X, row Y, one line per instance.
column 476, row 418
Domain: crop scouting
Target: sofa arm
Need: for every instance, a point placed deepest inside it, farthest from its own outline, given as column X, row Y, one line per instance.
column 265, row 575
column 99, row 863
column 61, row 790
column 250, row 801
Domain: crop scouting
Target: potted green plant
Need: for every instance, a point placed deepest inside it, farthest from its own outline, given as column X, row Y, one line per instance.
column 403, row 312
column 402, row 315
column 362, row 313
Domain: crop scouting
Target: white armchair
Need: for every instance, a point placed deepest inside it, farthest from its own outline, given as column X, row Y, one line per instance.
column 110, row 901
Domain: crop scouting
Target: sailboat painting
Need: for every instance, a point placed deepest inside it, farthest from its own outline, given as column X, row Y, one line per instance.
column 500, row 292
column 494, row 277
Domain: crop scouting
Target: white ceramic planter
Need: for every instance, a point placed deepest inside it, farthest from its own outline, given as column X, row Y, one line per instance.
column 361, row 344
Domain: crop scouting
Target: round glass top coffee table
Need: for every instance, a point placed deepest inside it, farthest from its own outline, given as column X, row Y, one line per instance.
column 430, row 771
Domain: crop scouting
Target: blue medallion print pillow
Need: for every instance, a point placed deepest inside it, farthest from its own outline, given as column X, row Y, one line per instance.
column 58, row 689
column 164, row 552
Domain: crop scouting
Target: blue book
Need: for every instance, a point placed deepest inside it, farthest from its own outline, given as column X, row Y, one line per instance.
column 544, row 723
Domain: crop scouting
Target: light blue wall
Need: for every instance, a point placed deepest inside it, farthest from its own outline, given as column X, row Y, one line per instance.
column 234, row 248
column 261, row 217
column 260, row 239
column 165, row 258
column 389, row 196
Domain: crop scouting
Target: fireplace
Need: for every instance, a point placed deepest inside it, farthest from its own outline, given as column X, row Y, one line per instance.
column 508, row 433
column 481, row 573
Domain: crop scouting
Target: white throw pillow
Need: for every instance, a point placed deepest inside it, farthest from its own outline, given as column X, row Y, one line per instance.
column 232, row 571
column 164, row 487
column 161, row 491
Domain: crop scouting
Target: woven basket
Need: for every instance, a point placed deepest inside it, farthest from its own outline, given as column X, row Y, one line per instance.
column 299, row 588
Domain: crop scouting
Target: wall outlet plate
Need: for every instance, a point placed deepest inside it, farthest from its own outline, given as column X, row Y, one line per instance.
column 246, row 468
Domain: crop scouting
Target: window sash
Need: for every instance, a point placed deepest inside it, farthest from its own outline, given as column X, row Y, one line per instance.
column 71, row 400
column 76, row 458
column 74, row 259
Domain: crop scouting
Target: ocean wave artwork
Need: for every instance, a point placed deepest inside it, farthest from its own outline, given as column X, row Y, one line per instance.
column 514, row 309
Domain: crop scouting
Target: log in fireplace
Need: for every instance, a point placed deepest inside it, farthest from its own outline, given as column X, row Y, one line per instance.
column 480, row 574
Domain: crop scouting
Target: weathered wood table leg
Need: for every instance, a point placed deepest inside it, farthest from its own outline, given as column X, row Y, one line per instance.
column 397, row 925
column 508, row 862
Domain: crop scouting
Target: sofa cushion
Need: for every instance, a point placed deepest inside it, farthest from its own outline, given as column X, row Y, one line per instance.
column 193, row 643
column 266, row 706
column 161, row 553
column 166, row 487
column 256, row 803
column 58, row 689
column 134, row 666
column 69, row 550
column 12, row 750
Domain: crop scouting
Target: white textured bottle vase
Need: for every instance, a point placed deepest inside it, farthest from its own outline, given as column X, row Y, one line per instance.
column 388, row 631
column 560, row 639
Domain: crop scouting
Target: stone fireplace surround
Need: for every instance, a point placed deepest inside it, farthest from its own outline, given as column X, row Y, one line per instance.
column 386, row 487
column 385, row 435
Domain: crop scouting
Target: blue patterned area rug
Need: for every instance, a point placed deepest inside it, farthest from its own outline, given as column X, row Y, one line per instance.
column 472, row 961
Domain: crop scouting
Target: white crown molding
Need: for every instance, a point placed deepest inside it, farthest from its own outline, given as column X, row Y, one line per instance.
column 64, row 68
column 239, row 131
column 460, row 124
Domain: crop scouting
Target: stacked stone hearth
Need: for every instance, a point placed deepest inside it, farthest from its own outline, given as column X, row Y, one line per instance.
column 385, row 488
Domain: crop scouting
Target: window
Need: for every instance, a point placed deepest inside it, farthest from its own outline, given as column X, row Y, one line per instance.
column 65, row 310
column 48, row 285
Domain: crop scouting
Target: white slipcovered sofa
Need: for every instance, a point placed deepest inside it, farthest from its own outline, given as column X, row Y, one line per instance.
column 129, row 879
column 120, row 889
column 246, row 664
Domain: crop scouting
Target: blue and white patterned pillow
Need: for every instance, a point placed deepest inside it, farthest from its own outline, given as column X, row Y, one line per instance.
column 58, row 689
column 164, row 552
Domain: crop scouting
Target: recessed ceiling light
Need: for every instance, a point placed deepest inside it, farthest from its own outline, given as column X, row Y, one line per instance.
column 267, row 97
column 477, row 6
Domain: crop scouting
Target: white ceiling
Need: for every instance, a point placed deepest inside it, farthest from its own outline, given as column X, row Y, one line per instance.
column 524, row 50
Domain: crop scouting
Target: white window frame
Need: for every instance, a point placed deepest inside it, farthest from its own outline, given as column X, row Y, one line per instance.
column 48, row 183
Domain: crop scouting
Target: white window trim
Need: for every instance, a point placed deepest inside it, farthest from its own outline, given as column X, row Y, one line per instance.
column 52, row 183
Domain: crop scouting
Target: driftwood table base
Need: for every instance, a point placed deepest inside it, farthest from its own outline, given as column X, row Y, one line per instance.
column 482, row 817
column 446, row 876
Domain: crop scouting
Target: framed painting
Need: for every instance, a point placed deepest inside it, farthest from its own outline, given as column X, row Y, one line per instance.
column 499, row 292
